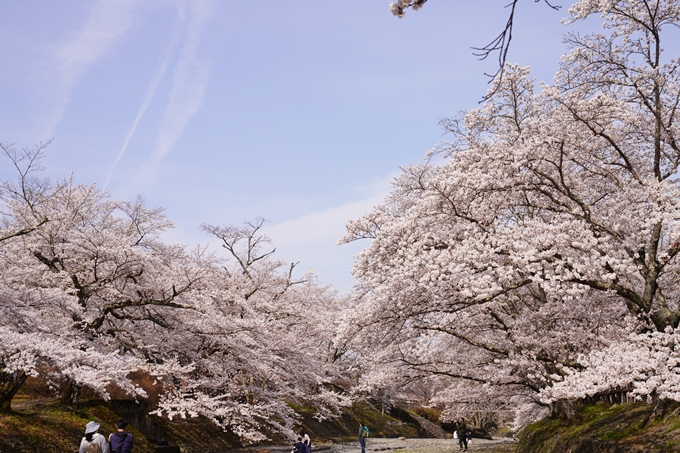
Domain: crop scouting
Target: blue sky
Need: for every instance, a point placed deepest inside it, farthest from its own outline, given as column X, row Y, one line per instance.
column 220, row 111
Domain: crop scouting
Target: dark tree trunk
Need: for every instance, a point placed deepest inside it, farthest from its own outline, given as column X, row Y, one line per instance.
column 662, row 408
column 70, row 393
column 10, row 383
column 563, row 409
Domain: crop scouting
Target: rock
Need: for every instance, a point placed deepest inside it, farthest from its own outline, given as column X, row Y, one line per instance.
column 480, row 433
column 168, row 449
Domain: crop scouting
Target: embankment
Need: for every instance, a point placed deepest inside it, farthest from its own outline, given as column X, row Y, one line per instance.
column 606, row 428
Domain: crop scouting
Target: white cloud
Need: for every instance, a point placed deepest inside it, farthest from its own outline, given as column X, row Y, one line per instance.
column 189, row 82
column 326, row 226
column 155, row 80
column 312, row 238
column 105, row 28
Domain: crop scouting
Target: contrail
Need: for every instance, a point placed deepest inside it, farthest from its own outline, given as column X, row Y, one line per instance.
column 190, row 80
column 106, row 25
column 158, row 75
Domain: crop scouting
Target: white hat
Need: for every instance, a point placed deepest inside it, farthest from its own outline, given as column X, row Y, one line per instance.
column 91, row 427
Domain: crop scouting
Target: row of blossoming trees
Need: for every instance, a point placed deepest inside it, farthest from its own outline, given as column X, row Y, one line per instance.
column 533, row 260
column 90, row 296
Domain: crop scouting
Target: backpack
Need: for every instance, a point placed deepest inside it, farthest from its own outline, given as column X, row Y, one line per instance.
column 93, row 448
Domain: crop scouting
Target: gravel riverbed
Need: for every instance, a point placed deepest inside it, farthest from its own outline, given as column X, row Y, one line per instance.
column 401, row 445
column 501, row 445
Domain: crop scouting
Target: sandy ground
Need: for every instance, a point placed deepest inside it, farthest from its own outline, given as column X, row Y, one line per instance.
column 423, row 446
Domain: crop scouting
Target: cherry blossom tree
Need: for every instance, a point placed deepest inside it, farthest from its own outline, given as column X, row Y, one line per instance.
column 89, row 294
column 84, row 284
column 545, row 231
column 260, row 342
column 645, row 365
column 27, row 162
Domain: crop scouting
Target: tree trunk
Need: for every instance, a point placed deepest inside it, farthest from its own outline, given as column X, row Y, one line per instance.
column 662, row 407
column 663, row 317
column 70, row 393
column 10, row 383
column 563, row 409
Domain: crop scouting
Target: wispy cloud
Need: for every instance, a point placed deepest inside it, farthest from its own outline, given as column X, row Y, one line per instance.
column 323, row 227
column 189, row 82
column 155, row 80
column 312, row 238
column 105, row 27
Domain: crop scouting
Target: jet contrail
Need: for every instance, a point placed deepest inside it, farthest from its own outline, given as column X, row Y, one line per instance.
column 106, row 26
column 158, row 75
column 190, row 79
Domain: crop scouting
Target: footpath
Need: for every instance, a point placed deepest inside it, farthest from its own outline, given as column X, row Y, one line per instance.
column 376, row 445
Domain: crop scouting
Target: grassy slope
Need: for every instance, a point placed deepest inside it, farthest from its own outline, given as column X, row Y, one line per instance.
column 345, row 428
column 47, row 426
column 40, row 425
column 198, row 435
column 607, row 429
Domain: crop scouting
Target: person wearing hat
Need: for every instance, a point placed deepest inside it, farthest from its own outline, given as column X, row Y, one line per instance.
column 93, row 437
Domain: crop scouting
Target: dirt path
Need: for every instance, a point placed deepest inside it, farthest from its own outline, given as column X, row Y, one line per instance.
column 374, row 445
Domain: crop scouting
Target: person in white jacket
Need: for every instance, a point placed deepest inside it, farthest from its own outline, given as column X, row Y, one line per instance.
column 93, row 437
column 307, row 441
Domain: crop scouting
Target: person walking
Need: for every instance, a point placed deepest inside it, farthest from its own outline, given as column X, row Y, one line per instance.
column 307, row 441
column 121, row 441
column 363, row 434
column 462, row 432
column 93, row 442
column 299, row 446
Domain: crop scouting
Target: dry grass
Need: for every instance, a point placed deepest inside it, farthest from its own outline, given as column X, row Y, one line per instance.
column 38, row 426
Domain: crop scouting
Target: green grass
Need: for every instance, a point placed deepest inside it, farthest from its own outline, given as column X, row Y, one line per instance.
column 628, row 426
column 345, row 427
column 57, row 426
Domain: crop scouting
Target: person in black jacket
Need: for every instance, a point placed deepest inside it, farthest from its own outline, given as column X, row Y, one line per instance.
column 299, row 446
column 462, row 433
column 121, row 441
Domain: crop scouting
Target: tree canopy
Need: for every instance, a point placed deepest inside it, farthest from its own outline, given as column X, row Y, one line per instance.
column 91, row 296
column 544, row 233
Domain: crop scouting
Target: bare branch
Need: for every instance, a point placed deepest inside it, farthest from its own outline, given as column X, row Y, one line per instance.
column 500, row 43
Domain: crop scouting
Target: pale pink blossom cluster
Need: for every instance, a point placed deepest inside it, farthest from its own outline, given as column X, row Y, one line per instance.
column 399, row 7
column 515, row 267
column 645, row 365
column 91, row 296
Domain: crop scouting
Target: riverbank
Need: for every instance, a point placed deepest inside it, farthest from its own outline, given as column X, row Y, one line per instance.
column 376, row 445
column 608, row 428
column 36, row 422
